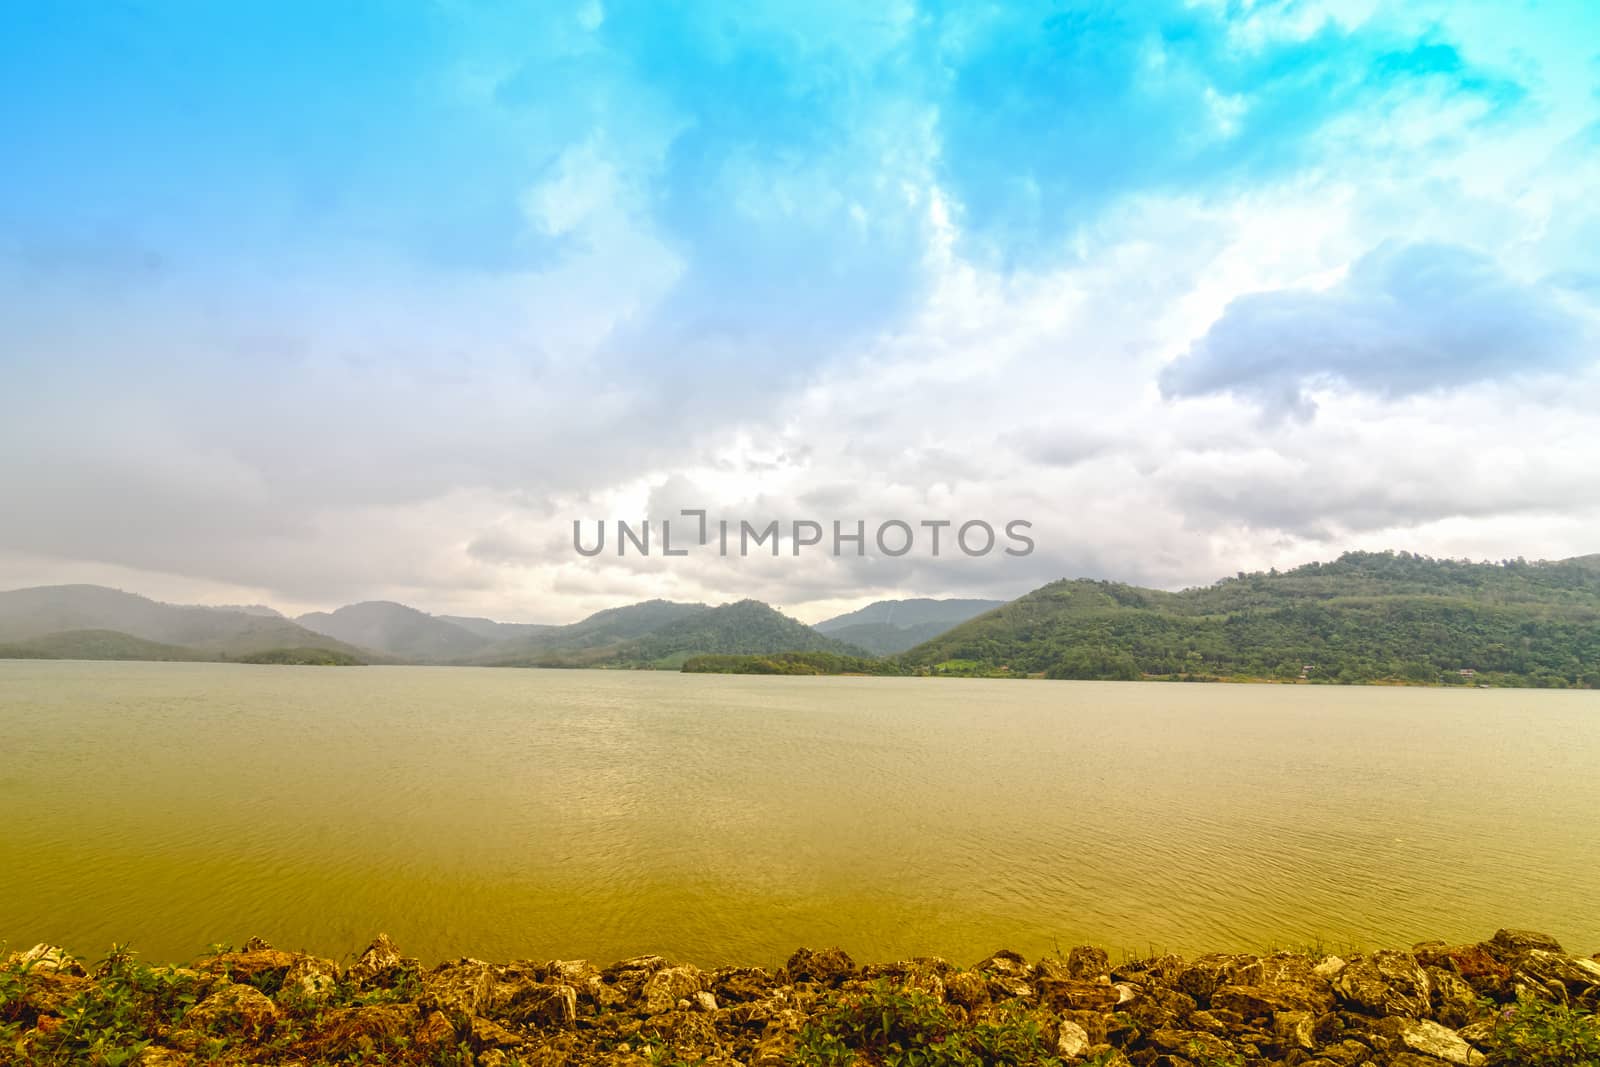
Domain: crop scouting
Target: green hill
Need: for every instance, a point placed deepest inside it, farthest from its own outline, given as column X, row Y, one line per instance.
column 1361, row 618
column 666, row 634
column 303, row 657
column 96, row 644
column 586, row 640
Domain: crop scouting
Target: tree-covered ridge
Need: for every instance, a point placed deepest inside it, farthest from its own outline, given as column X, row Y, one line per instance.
column 1363, row 617
column 798, row 663
column 742, row 628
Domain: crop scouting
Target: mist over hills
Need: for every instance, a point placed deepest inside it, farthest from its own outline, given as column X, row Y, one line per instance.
column 395, row 630
column 889, row 626
column 28, row 615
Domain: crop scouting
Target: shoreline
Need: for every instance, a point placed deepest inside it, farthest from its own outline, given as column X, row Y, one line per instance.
column 1482, row 1004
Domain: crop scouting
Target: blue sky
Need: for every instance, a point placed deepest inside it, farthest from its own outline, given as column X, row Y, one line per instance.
column 309, row 303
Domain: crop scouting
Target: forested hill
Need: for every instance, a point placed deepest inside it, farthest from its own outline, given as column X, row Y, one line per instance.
column 1363, row 617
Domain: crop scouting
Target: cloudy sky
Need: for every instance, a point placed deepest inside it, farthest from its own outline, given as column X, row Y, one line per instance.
column 308, row 303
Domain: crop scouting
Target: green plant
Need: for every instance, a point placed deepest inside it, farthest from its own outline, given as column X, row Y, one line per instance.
column 1533, row 1033
column 909, row 1028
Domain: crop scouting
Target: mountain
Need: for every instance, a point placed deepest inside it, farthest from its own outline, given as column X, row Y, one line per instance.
column 60, row 609
column 890, row 626
column 603, row 629
column 1366, row 616
column 495, row 631
column 660, row 633
column 96, row 644
column 396, row 630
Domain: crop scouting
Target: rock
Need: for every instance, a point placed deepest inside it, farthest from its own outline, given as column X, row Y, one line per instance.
column 1479, row 967
column 662, row 990
column 737, row 985
column 777, row 1044
column 1209, row 973
column 1330, row 967
column 49, row 992
column 1194, row 1045
column 1455, row 1003
column 1260, row 1002
column 488, row 1034
column 1578, row 976
column 1073, row 1042
column 631, row 973
column 1009, row 987
column 1004, row 962
column 461, row 988
column 1385, row 983
column 828, row 967
column 705, row 1002
column 1064, row 993
column 309, row 980
column 380, row 960
column 263, row 968
column 1294, row 1029
column 1479, row 1034
column 525, row 1002
column 1428, row 1038
column 1507, row 944
column 364, row 1030
column 581, row 975
column 1088, row 962
column 234, row 1009
column 45, row 959
column 436, row 1032
column 967, row 989
column 156, row 1056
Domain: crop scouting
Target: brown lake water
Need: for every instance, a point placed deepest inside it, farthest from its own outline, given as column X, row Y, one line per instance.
column 716, row 819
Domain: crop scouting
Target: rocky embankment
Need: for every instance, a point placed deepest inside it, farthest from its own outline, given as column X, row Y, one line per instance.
column 1517, row 998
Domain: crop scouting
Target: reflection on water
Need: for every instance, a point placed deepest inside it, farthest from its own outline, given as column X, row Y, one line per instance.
column 506, row 813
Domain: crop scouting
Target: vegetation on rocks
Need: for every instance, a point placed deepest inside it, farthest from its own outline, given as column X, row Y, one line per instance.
column 1515, row 999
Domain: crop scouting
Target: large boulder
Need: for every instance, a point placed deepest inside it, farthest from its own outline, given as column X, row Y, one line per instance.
column 1263, row 1001
column 381, row 964
column 1455, row 1002
column 1088, row 962
column 1506, row 945
column 662, row 990
column 830, row 966
column 45, row 959
column 309, row 980
column 1384, row 984
column 1073, row 994
column 233, row 1009
column 459, row 988
column 1211, row 972
column 738, row 985
column 263, row 968
column 1428, row 1038
column 1576, row 976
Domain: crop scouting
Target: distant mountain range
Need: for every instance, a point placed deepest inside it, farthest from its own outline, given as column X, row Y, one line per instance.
column 890, row 626
column 90, row 622
column 1364, row 617
column 52, row 620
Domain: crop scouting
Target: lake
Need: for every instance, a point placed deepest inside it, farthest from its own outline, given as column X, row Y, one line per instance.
column 722, row 819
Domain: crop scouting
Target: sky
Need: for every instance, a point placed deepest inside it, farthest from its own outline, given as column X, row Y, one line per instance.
column 305, row 303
